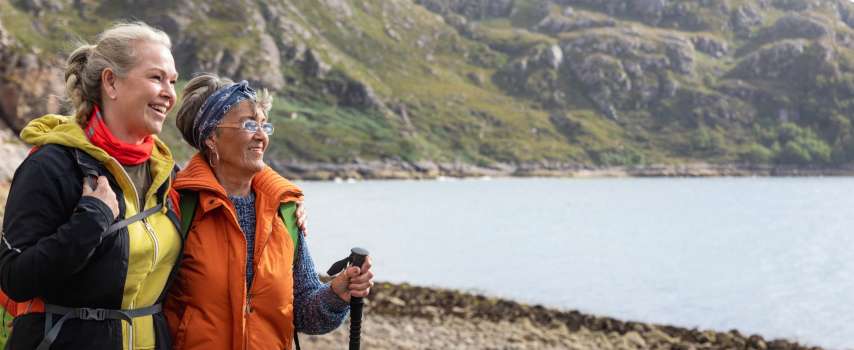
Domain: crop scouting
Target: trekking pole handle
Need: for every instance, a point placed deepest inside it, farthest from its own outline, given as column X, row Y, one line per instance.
column 357, row 258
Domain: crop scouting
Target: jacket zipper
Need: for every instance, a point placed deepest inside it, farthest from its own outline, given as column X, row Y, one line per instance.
column 151, row 234
column 150, row 231
column 247, row 311
column 139, row 208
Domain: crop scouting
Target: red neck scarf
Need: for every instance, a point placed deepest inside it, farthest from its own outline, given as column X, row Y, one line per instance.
column 125, row 153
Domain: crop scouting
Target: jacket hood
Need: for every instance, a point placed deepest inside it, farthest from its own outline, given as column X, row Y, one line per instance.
column 64, row 130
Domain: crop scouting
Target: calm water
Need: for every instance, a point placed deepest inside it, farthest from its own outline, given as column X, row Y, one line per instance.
column 767, row 256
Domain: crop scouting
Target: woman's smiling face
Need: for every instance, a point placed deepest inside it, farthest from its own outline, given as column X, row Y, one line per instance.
column 238, row 148
column 146, row 94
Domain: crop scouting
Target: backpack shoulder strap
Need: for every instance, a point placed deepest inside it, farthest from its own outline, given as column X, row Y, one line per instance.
column 188, row 203
column 171, row 198
column 88, row 166
column 288, row 213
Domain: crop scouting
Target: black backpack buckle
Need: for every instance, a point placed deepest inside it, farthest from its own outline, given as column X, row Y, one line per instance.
column 91, row 314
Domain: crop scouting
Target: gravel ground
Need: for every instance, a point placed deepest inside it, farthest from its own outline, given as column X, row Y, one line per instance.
column 408, row 317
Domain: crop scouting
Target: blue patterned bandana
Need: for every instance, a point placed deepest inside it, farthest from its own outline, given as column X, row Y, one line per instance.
column 215, row 108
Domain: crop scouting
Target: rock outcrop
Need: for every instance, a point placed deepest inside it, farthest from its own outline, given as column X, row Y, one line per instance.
column 471, row 9
column 443, row 81
column 30, row 84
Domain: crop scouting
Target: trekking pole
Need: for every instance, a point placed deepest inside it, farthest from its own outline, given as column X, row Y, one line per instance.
column 356, row 258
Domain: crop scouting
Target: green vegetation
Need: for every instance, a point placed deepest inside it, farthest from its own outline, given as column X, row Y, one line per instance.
column 789, row 144
column 617, row 85
column 6, row 325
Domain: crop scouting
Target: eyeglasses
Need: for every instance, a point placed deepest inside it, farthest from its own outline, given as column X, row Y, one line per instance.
column 250, row 126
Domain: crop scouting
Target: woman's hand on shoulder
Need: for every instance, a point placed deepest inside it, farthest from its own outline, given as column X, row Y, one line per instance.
column 302, row 218
column 104, row 193
column 354, row 281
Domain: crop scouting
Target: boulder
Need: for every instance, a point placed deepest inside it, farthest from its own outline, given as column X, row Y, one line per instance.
column 651, row 10
column 793, row 26
column 796, row 5
column 471, row 9
column 795, row 60
column 41, row 7
column 606, row 80
column 846, row 13
column 339, row 7
column 681, row 54
column 710, row 45
column 575, row 20
column 30, row 85
column 745, row 19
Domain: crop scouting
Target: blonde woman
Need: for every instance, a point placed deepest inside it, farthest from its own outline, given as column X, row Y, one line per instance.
column 90, row 239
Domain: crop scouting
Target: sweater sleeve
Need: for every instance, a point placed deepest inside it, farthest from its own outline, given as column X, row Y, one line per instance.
column 42, row 245
column 317, row 308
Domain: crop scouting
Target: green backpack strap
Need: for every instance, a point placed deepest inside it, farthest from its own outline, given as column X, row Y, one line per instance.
column 288, row 212
column 189, row 201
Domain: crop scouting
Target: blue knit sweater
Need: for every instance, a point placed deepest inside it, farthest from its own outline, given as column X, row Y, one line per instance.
column 317, row 309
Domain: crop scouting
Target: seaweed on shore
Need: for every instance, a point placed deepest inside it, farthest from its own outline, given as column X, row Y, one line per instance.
column 405, row 300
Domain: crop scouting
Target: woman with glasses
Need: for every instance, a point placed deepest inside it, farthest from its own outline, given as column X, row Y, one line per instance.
column 245, row 282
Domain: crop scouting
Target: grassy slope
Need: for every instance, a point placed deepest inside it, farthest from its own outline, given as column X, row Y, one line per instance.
column 450, row 117
column 413, row 60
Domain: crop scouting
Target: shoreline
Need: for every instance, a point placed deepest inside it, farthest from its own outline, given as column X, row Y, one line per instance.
column 400, row 170
column 14, row 152
column 402, row 316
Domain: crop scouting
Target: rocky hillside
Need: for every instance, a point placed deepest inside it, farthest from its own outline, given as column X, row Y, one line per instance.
column 435, row 86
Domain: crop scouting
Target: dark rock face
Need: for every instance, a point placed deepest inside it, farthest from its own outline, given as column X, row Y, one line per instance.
column 572, row 21
column 471, row 9
column 846, row 13
column 665, row 13
column 636, row 64
column 40, row 7
column 796, row 5
column 718, row 109
column 537, row 74
column 797, row 26
column 652, row 10
column 681, row 54
column 711, row 46
column 786, row 59
column 29, row 85
column 627, row 71
column 353, row 93
column 744, row 19
column 607, row 81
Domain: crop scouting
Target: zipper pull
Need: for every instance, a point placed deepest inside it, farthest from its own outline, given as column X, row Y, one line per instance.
column 147, row 226
column 248, row 303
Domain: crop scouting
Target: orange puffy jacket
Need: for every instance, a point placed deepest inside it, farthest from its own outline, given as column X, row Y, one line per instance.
column 208, row 306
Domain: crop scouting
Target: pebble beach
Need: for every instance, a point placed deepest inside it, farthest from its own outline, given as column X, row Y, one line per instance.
column 401, row 316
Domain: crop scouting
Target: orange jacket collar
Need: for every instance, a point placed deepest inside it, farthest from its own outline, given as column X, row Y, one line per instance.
column 198, row 176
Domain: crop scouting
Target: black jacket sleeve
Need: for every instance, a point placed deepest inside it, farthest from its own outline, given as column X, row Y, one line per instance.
column 50, row 230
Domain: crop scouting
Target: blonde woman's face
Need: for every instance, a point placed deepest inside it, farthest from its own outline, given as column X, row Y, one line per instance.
column 147, row 93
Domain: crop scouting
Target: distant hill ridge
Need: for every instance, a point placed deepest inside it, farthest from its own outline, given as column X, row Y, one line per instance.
column 493, row 84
